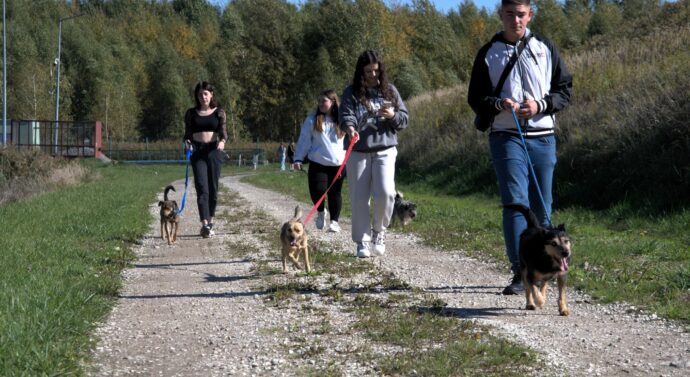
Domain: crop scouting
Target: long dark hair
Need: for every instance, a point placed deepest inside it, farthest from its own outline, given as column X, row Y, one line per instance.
column 203, row 85
column 318, row 125
column 359, row 88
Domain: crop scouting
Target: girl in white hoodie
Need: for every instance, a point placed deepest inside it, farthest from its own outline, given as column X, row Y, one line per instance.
column 321, row 141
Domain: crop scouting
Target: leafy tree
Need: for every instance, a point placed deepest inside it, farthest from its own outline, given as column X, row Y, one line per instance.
column 579, row 14
column 267, row 64
column 607, row 17
column 550, row 21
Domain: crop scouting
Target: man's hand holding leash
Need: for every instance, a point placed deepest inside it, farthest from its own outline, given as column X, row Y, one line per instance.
column 524, row 110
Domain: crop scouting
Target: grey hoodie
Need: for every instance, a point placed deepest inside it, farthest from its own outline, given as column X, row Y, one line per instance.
column 375, row 133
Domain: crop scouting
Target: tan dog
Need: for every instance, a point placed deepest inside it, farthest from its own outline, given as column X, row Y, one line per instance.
column 293, row 237
column 169, row 217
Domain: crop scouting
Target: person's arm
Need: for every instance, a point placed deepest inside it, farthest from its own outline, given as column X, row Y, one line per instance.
column 401, row 117
column 480, row 92
column 561, row 84
column 187, row 138
column 222, row 128
column 347, row 116
column 304, row 142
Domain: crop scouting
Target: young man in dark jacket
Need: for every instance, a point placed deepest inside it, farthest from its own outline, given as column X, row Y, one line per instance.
column 538, row 86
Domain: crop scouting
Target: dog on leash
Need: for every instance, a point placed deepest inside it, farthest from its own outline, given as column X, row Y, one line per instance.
column 293, row 237
column 169, row 217
column 403, row 210
column 544, row 254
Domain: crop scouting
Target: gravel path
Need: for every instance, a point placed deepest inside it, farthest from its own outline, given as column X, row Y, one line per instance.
column 199, row 309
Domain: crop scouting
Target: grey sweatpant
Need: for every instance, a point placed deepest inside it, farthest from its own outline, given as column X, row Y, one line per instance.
column 370, row 175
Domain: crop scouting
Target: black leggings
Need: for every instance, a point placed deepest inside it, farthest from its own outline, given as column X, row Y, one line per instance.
column 320, row 177
column 206, row 163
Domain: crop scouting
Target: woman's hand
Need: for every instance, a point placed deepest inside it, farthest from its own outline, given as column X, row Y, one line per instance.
column 354, row 135
column 188, row 146
column 386, row 112
column 221, row 145
column 297, row 166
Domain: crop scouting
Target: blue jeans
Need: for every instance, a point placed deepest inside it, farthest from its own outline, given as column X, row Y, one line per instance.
column 517, row 186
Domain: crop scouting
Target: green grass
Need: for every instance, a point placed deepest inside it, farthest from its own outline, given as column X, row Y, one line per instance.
column 62, row 253
column 620, row 254
column 436, row 345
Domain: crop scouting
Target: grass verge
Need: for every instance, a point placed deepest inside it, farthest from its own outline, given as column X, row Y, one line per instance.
column 61, row 263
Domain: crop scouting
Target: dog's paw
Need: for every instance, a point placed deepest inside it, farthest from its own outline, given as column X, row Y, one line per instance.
column 564, row 312
column 530, row 307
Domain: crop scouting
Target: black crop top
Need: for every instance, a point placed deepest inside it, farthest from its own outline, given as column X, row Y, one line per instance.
column 214, row 122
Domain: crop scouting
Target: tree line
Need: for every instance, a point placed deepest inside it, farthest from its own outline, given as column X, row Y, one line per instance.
column 132, row 64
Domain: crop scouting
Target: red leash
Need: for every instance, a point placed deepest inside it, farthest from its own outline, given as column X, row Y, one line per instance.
column 337, row 176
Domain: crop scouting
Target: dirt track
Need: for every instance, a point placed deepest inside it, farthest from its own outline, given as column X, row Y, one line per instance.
column 195, row 310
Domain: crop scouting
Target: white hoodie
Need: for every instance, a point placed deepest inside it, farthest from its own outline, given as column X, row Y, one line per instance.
column 324, row 148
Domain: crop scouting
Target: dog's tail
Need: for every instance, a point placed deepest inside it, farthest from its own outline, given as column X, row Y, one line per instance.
column 298, row 214
column 532, row 220
column 165, row 193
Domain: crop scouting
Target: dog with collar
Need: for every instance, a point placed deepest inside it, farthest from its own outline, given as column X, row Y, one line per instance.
column 294, row 240
column 545, row 254
column 169, row 217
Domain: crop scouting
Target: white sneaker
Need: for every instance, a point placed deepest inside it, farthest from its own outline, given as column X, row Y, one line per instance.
column 363, row 250
column 334, row 227
column 379, row 239
column 320, row 220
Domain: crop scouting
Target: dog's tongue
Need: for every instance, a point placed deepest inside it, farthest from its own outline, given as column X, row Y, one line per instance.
column 293, row 243
column 564, row 264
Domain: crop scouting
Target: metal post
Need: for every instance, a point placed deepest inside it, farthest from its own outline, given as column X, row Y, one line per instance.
column 4, row 76
column 57, row 84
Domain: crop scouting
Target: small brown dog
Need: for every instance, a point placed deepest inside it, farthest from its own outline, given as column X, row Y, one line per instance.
column 169, row 217
column 544, row 254
column 293, row 236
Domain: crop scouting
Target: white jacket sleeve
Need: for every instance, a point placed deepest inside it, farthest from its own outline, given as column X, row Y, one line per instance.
column 304, row 142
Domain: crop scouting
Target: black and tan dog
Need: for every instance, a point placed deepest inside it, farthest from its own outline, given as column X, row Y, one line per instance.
column 169, row 217
column 293, row 237
column 403, row 210
column 544, row 254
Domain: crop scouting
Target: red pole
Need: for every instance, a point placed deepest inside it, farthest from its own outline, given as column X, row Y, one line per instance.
column 97, row 142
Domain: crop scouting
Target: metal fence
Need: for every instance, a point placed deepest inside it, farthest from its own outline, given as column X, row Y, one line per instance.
column 67, row 139
column 160, row 156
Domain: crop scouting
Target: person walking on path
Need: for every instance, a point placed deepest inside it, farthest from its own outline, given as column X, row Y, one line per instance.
column 281, row 156
column 291, row 154
column 321, row 140
column 372, row 113
column 205, row 134
column 536, row 88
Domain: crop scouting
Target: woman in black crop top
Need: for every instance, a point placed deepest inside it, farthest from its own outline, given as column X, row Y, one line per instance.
column 205, row 133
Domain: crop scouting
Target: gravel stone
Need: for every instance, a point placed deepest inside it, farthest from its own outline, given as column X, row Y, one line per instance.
column 192, row 309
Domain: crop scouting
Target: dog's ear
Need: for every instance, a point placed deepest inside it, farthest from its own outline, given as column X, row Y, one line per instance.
column 561, row 227
column 160, row 204
column 175, row 203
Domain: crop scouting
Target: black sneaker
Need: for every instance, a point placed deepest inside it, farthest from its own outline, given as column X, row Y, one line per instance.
column 515, row 287
column 205, row 231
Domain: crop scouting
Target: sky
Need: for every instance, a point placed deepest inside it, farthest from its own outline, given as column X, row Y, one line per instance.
column 442, row 5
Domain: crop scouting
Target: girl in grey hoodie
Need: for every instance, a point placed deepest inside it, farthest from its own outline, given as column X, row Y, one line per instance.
column 372, row 113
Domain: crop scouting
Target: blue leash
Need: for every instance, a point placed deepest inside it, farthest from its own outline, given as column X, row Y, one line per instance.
column 186, row 180
column 531, row 168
